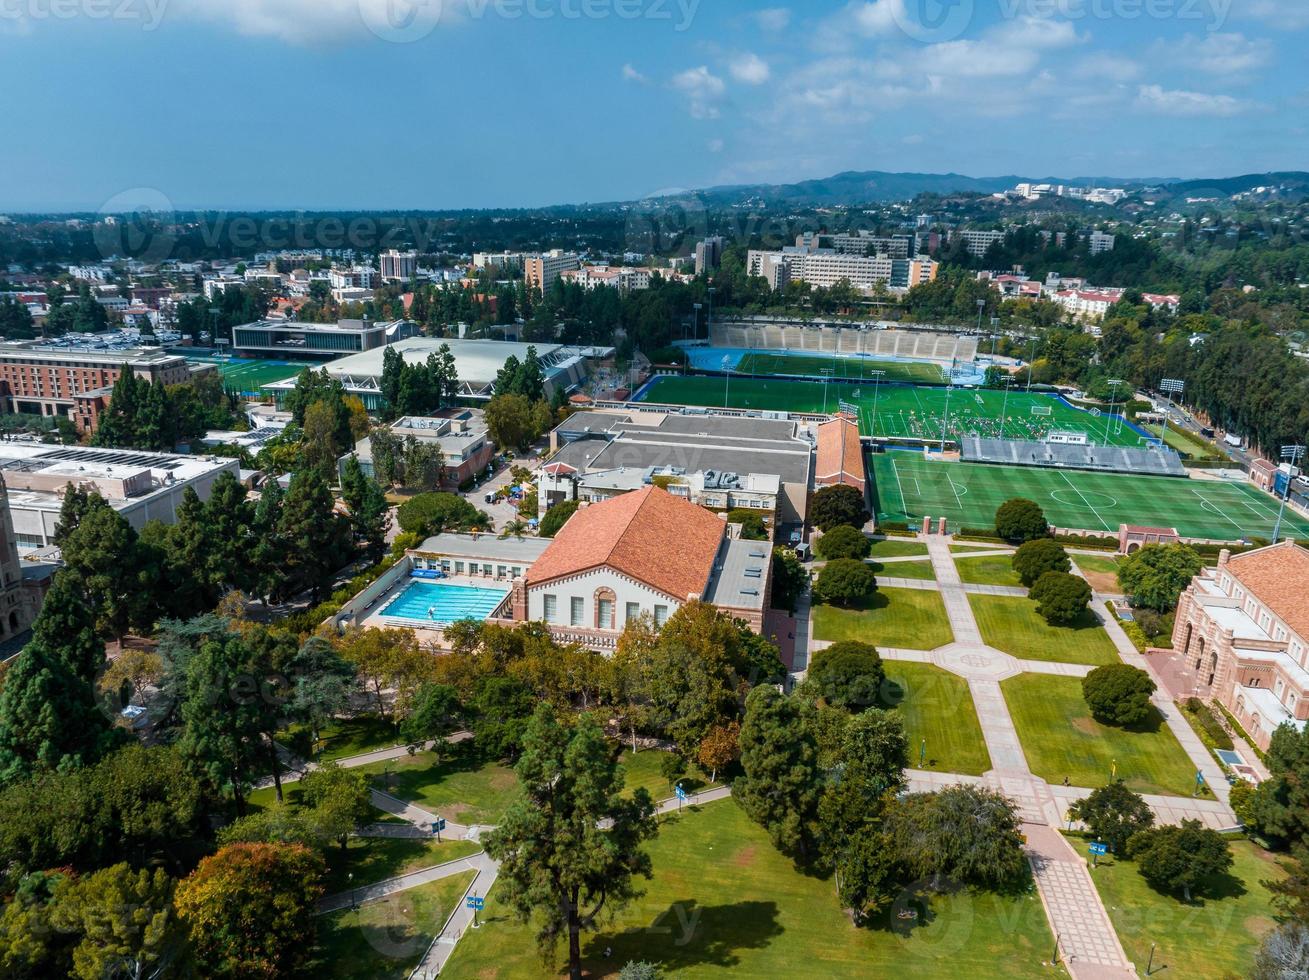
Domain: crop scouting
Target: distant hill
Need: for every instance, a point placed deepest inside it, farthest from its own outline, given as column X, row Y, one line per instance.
column 877, row 186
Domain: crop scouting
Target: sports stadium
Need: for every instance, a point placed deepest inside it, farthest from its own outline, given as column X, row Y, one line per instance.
column 913, row 393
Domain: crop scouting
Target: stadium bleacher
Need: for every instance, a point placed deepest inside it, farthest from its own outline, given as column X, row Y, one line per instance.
column 1153, row 460
column 943, row 348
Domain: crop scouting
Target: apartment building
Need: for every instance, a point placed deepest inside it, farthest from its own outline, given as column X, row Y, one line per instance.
column 827, row 267
column 398, row 266
column 541, row 271
column 708, row 255
column 978, row 242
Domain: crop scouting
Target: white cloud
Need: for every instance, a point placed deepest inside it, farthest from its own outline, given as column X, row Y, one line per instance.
column 305, row 21
column 715, row 146
column 750, row 69
column 976, row 59
column 773, row 19
column 630, row 74
column 1217, row 54
column 1290, row 15
column 1106, row 66
column 1177, row 102
column 703, row 88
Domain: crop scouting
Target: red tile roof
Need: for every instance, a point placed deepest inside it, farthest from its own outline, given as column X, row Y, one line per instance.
column 839, row 452
column 649, row 535
column 1278, row 577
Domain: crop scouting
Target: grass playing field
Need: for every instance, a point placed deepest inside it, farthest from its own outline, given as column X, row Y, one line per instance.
column 812, row 366
column 900, row 411
column 910, row 487
column 247, row 376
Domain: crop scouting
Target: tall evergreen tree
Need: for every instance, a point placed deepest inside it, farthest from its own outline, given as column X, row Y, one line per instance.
column 312, row 534
column 50, row 718
column 268, row 554
column 781, row 786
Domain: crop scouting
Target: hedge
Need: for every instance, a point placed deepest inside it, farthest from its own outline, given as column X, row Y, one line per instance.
column 1211, row 730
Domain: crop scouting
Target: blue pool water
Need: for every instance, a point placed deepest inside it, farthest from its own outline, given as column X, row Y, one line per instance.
column 443, row 603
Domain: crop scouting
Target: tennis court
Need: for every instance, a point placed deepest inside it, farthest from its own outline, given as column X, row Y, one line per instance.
column 910, row 487
column 812, row 366
column 246, row 376
column 902, row 411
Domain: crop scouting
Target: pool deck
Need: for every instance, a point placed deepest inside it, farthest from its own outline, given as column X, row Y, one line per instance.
column 375, row 619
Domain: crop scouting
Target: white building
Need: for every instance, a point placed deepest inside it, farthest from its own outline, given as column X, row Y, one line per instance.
column 541, row 271
column 398, row 266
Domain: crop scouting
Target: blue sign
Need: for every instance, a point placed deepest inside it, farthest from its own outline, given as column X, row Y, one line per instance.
column 438, row 825
column 475, row 903
column 1098, row 849
column 681, row 793
column 1199, row 778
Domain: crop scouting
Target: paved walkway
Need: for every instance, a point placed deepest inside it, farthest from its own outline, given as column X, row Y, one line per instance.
column 1088, row 945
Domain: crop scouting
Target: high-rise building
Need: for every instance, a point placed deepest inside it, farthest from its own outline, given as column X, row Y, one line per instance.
column 541, row 271
column 398, row 266
column 708, row 255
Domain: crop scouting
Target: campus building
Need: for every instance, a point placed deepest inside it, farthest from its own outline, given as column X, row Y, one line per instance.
column 74, row 379
column 719, row 462
column 825, row 267
column 141, row 486
column 460, row 434
column 1243, row 628
column 290, row 338
column 397, row 266
column 839, row 456
column 19, row 603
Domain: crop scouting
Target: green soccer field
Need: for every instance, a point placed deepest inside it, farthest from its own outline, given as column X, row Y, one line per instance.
column 812, row 366
column 247, row 376
column 910, row 487
column 902, row 411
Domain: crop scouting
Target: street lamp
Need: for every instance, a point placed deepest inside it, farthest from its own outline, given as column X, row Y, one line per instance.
column 981, row 305
column 877, row 377
column 1293, row 455
column 1173, row 387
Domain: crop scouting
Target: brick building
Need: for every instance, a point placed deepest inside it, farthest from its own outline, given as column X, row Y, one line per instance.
column 1244, row 628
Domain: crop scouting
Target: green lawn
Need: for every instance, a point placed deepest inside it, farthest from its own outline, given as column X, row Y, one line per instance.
column 1103, row 564
column 1186, row 443
column 387, row 938
column 921, row 570
column 1060, row 738
column 724, row 903
column 642, row 769
column 914, row 619
column 372, row 859
column 346, row 737
column 993, row 570
column 936, row 706
column 812, row 366
column 898, row 548
column 967, row 546
column 462, row 789
column 1012, row 624
column 1216, row 935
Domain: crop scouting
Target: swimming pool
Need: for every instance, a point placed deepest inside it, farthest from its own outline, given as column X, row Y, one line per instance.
column 441, row 603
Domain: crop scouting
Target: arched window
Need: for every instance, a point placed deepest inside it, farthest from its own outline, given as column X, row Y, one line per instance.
column 605, row 604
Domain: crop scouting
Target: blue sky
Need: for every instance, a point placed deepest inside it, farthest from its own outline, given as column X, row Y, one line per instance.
column 489, row 103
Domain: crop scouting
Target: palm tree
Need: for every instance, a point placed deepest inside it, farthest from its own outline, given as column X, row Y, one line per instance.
column 514, row 528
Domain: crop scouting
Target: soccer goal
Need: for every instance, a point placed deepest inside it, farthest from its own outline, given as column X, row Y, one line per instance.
column 1043, row 411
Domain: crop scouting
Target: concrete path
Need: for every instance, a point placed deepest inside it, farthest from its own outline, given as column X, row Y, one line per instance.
column 1088, row 945
column 381, row 889
column 927, row 585
column 297, row 767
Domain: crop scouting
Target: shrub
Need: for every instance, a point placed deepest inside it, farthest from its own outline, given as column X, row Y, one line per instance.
column 1181, row 858
column 433, row 513
column 1020, row 520
column 843, row 541
column 556, row 517
column 790, row 578
column 752, row 523
column 1113, row 814
column 1061, row 598
column 1034, row 558
column 849, row 674
column 836, row 505
column 1118, row 694
column 845, row 582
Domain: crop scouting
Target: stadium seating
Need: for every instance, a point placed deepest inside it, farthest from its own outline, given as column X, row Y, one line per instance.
column 1116, row 459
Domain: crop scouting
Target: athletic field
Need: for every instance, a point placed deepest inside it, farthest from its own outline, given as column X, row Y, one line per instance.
column 812, row 366
column 901, row 411
column 246, row 376
column 910, row 487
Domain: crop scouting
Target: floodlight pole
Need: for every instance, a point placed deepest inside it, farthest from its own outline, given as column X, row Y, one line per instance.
column 1031, row 353
column 727, row 380
column 1173, row 387
column 1004, row 411
column 945, row 417
column 877, row 377
column 1113, row 396
column 827, row 376
column 1293, row 455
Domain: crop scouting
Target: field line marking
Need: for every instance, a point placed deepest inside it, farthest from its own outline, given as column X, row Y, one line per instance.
column 1206, row 503
column 904, row 504
column 1085, row 501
